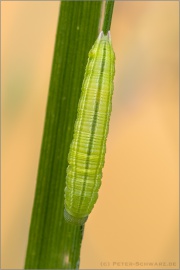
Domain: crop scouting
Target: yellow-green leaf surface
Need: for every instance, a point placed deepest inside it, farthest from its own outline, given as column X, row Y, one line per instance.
column 54, row 244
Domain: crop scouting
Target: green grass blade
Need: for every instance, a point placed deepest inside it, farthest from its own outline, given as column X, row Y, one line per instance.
column 52, row 242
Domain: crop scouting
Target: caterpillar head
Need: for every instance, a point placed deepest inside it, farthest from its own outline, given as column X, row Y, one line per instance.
column 74, row 220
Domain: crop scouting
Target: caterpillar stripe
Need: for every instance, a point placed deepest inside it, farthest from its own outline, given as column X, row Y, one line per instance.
column 87, row 150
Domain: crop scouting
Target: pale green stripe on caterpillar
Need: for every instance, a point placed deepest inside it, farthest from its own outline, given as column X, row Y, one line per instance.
column 87, row 150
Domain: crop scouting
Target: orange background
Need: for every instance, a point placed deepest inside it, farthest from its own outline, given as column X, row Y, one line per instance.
column 135, row 219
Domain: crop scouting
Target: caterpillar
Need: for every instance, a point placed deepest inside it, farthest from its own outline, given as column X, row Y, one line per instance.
column 87, row 150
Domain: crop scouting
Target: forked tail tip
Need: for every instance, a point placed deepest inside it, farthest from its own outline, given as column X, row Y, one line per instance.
column 105, row 37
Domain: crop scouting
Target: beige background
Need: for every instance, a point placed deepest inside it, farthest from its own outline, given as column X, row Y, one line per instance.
column 136, row 217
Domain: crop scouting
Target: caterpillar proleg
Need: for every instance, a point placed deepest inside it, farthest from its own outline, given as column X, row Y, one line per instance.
column 88, row 147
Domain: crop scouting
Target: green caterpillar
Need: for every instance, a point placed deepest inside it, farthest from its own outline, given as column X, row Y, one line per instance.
column 87, row 150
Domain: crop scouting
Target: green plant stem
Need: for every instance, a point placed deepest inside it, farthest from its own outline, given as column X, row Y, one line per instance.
column 52, row 243
column 108, row 16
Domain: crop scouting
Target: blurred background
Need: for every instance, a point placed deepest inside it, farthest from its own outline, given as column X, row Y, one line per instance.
column 135, row 220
